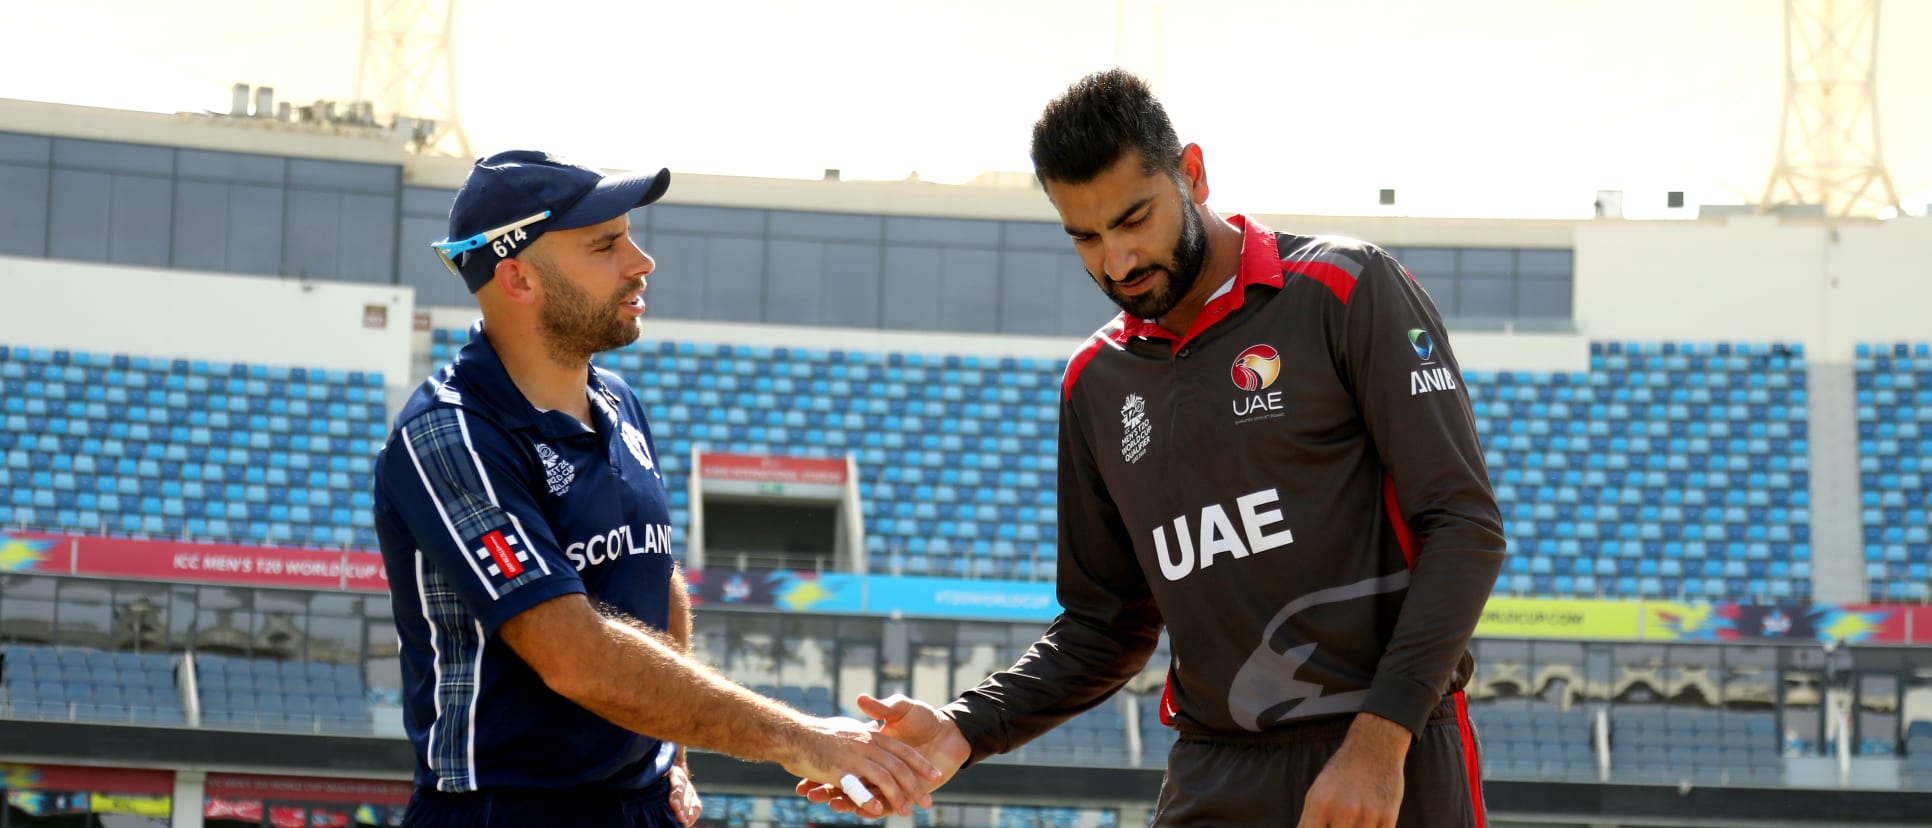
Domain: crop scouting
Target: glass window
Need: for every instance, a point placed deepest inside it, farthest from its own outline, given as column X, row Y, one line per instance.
column 1477, row 261
column 805, row 652
column 1559, row 672
column 1918, row 686
column 1750, row 678
column 1485, row 297
column 858, row 671
column 223, row 623
column 1543, row 298
column 825, row 226
column 686, row 218
column 981, row 650
column 1556, row 263
column 931, row 674
column 1802, row 696
column 1640, row 674
column 335, row 639
column 140, row 617
column 338, row 603
column 84, row 614
column 1691, row 677
column 751, row 657
column 1444, row 291
column 1430, row 262
column 281, row 621
column 946, row 231
column 27, row 609
column 1502, row 670
column 383, row 669
column 181, row 617
column 1599, row 671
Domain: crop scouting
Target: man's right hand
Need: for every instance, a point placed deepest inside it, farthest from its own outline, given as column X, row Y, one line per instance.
column 898, row 773
column 911, row 723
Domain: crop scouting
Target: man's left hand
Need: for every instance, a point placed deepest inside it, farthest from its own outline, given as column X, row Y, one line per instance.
column 684, row 797
column 1361, row 786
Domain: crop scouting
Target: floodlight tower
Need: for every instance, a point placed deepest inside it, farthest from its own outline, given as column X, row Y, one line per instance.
column 1828, row 148
column 409, row 72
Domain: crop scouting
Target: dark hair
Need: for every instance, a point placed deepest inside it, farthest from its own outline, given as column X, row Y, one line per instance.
column 1099, row 117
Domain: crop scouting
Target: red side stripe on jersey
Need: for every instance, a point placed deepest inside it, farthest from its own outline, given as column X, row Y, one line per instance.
column 1472, row 763
column 1337, row 279
column 1168, row 710
column 1087, row 352
column 1403, row 534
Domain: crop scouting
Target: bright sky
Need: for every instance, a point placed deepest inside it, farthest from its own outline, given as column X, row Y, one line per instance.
column 1508, row 108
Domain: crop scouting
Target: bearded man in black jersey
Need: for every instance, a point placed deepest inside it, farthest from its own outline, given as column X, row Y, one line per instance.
column 1270, row 454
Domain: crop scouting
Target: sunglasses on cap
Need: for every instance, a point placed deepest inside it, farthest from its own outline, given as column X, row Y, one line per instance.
column 503, row 242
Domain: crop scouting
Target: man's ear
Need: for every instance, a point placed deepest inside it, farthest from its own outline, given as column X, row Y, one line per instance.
column 1194, row 173
column 517, row 280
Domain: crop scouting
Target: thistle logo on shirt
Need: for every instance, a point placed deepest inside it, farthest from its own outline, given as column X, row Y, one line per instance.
column 1256, row 368
column 1136, row 431
column 502, row 552
column 1431, row 376
column 634, row 440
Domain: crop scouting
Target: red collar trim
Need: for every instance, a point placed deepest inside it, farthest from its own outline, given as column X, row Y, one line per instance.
column 1260, row 265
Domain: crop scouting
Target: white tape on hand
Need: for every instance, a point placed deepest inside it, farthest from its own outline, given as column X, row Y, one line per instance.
column 855, row 789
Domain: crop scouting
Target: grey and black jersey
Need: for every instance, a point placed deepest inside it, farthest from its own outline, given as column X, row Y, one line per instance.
column 1294, row 488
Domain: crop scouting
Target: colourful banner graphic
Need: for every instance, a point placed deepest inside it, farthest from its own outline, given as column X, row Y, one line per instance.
column 147, row 806
column 797, row 591
column 960, row 598
column 1540, row 618
column 241, row 786
column 766, row 469
column 192, row 562
column 776, row 588
column 1793, row 621
column 76, row 778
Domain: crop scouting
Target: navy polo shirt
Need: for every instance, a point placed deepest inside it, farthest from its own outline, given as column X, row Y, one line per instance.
column 486, row 506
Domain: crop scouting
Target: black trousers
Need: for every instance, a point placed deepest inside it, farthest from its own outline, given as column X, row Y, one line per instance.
column 1227, row 784
column 648, row 807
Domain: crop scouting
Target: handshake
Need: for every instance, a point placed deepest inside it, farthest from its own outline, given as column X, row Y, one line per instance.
column 910, row 750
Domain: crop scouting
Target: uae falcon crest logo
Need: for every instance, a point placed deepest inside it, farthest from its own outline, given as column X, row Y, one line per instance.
column 1256, row 368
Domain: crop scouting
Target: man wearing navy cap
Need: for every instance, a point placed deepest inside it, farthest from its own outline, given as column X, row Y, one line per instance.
column 545, row 628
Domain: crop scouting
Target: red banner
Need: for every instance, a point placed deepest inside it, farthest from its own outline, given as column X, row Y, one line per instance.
column 772, row 469
column 75, row 778
column 193, row 562
column 239, row 786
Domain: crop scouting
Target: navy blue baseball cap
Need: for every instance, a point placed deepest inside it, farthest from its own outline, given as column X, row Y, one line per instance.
column 513, row 197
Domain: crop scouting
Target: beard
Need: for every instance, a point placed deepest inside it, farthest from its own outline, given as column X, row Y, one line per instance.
column 1183, row 269
column 573, row 325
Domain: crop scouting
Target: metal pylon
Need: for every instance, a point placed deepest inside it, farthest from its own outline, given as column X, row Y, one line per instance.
column 1828, row 147
column 409, row 71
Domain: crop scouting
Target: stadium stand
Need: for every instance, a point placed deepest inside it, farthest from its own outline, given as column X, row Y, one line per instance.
column 272, row 694
column 1668, row 470
column 1665, row 471
column 1918, row 755
column 1535, row 743
column 1894, row 399
column 1096, row 737
column 214, row 451
column 816, row 700
column 1660, row 744
column 81, row 684
column 956, row 452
